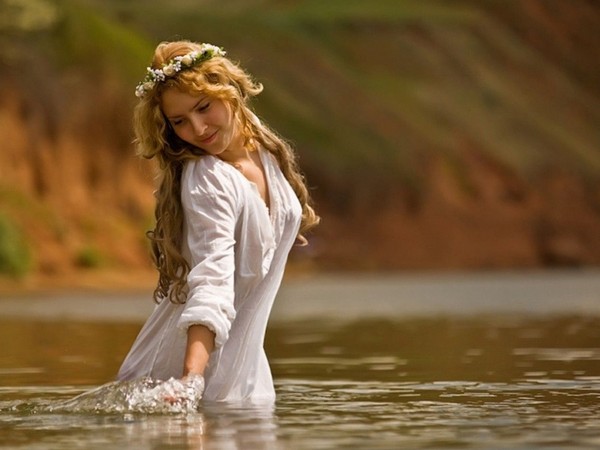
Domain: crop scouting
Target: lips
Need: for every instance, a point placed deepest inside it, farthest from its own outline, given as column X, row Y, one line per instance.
column 209, row 139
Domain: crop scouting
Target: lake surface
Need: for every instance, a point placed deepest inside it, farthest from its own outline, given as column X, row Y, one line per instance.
column 378, row 362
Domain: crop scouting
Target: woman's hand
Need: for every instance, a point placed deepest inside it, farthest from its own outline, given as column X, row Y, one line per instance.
column 185, row 393
column 200, row 343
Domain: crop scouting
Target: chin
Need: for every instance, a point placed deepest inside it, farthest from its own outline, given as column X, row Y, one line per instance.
column 212, row 151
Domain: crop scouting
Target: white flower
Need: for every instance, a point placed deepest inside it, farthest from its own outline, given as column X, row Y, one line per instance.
column 211, row 48
column 169, row 70
column 176, row 65
column 156, row 74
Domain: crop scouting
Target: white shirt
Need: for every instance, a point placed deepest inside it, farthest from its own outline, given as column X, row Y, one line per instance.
column 237, row 250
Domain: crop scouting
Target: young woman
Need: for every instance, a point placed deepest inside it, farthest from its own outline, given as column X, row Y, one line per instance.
column 230, row 205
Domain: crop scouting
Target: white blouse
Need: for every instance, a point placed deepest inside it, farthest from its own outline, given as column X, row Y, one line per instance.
column 237, row 249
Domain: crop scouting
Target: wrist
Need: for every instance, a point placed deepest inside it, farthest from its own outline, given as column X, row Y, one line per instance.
column 191, row 372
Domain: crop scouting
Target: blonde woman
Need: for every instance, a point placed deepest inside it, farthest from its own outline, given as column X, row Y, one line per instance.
column 230, row 205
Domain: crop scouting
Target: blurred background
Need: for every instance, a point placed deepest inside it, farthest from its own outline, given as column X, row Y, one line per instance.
column 435, row 135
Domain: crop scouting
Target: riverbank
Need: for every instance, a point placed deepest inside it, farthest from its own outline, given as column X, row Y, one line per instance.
column 98, row 280
column 347, row 297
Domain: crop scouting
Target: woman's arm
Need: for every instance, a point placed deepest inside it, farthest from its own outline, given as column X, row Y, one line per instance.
column 200, row 343
column 211, row 212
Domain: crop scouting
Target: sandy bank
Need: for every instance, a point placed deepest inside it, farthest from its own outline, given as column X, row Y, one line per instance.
column 349, row 297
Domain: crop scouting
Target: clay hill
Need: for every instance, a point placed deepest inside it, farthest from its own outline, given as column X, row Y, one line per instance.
column 434, row 134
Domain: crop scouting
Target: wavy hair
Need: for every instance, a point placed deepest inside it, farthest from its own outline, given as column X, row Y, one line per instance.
column 219, row 78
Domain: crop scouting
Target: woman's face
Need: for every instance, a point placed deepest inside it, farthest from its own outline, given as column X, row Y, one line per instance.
column 202, row 121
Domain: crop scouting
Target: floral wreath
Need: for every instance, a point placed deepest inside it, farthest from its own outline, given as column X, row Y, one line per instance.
column 176, row 65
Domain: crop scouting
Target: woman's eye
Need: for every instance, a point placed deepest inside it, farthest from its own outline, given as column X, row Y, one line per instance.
column 203, row 107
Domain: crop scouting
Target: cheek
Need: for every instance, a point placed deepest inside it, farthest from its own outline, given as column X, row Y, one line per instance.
column 225, row 114
column 183, row 133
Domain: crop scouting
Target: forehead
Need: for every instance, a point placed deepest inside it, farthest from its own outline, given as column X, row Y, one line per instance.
column 175, row 102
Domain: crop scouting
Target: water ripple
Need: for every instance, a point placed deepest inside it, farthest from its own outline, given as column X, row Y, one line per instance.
column 553, row 412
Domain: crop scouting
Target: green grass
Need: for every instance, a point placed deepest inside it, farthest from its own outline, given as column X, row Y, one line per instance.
column 17, row 204
column 88, row 40
column 15, row 255
column 89, row 257
column 380, row 11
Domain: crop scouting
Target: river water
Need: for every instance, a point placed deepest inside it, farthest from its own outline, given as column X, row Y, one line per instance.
column 363, row 362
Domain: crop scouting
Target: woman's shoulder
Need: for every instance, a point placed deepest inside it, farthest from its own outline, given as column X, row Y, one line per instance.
column 207, row 171
column 202, row 165
column 208, row 175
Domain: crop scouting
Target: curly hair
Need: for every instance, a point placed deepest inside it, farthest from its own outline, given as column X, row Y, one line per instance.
column 222, row 79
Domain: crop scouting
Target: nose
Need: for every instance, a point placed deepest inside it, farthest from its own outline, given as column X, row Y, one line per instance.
column 199, row 126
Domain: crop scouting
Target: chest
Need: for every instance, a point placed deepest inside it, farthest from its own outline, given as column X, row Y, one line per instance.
column 254, row 171
column 256, row 175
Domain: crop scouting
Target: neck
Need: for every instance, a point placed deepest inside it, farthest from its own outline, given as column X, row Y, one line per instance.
column 237, row 151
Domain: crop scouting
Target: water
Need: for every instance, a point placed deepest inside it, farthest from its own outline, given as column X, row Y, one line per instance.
column 459, row 376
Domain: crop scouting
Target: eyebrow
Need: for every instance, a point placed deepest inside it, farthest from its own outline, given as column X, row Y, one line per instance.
column 191, row 109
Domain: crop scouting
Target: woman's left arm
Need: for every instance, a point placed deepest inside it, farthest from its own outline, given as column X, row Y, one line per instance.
column 200, row 344
column 210, row 220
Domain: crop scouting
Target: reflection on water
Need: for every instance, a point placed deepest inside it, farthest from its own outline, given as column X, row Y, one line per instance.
column 540, row 412
column 478, row 349
column 483, row 382
column 36, row 424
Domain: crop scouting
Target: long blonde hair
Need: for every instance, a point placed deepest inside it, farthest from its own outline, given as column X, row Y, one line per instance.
column 219, row 78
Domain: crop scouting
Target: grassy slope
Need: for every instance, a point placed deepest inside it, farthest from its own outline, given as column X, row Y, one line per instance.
column 61, row 77
column 369, row 91
column 369, row 86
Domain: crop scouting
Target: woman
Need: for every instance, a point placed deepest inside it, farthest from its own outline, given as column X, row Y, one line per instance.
column 230, row 205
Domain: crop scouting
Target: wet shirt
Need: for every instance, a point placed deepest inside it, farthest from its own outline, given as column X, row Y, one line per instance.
column 237, row 249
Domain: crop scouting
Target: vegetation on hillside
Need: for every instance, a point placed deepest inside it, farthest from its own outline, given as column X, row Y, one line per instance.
column 418, row 123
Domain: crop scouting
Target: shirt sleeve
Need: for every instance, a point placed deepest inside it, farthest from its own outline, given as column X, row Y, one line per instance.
column 210, row 218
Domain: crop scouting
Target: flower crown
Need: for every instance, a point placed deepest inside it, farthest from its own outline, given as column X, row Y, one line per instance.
column 176, row 65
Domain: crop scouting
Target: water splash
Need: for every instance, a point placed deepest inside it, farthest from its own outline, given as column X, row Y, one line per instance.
column 145, row 395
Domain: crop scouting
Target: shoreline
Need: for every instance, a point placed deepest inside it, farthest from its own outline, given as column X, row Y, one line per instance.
column 344, row 297
column 99, row 280
column 108, row 280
